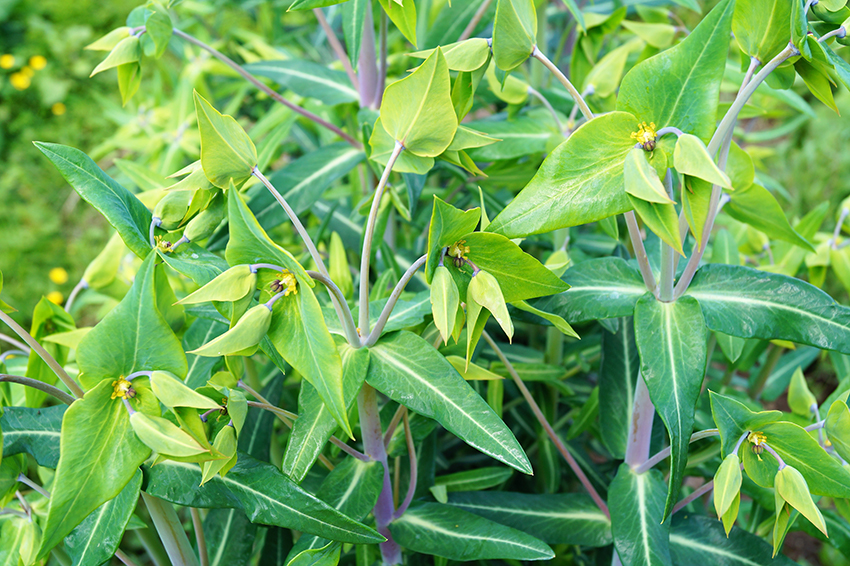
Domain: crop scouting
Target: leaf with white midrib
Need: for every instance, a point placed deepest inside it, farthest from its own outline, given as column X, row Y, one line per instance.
column 636, row 503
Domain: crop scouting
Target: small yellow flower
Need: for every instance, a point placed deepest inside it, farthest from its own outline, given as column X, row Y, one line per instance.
column 20, row 81
column 27, row 71
column 162, row 245
column 7, row 61
column 645, row 134
column 38, row 62
column 459, row 249
column 120, row 388
column 58, row 109
column 286, row 283
column 756, row 437
column 58, row 275
column 55, row 297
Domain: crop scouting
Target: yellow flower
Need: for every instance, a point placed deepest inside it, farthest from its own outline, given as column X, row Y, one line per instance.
column 162, row 245
column 285, row 283
column 120, row 388
column 58, row 275
column 58, row 109
column 645, row 134
column 20, row 81
column 55, row 297
column 757, row 438
column 7, row 61
column 38, row 62
column 459, row 249
column 27, row 71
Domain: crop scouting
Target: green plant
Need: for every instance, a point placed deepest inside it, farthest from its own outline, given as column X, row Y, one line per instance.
column 176, row 394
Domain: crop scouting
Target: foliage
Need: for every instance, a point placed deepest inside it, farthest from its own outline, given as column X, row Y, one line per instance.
column 516, row 227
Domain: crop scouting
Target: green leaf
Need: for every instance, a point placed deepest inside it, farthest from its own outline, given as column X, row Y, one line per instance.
column 748, row 303
column 838, row 427
column 684, row 80
column 524, row 135
column 120, row 208
column 733, row 419
column 159, row 28
column 243, row 339
column 129, row 80
column 563, row 518
column 727, row 483
column 132, row 337
column 266, row 495
column 383, row 146
column 468, row 55
column 662, row 219
column 110, row 40
column 229, row 536
column 618, row 373
column 227, row 153
column 308, row 79
column 557, row 321
column 299, row 333
column 96, row 539
column 605, row 76
column 163, row 437
column 800, row 398
column 403, row 16
column 99, row 455
column 128, row 50
column 310, row 4
column 792, row 488
column 514, row 33
column 599, row 288
column 671, row 340
column 799, row 30
column 353, row 25
column 691, row 157
column 474, row 480
column 636, row 503
column 448, row 531
column 448, row 225
column 444, row 302
column 417, row 110
column 230, row 286
column 33, row 431
column 47, row 319
column 410, row 371
column 757, row 207
column 657, row 35
column 641, row 179
column 761, row 27
column 484, row 292
column 696, row 539
column 315, row 423
column 581, row 181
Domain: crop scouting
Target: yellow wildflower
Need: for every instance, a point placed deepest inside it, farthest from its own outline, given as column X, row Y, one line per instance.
column 459, row 249
column 646, row 134
column 162, row 245
column 58, row 275
column 120, row 388
column 58, row 109
column 55, row 297
column 757, row 438
column 7, row 61
column 286, row 283
column 20, row 81
column 38, row 62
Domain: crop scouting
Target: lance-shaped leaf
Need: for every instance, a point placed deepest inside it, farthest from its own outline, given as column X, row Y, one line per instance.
column 756, row 206
column 696, row 539
column 227, row 153
column 411, row 372
column 749, row 303
column 110, row 40
column 791, row 487
column 474, row 480
column 448, row 531
column 514, row 33
column 557, row 321
column 671, row 340
column 159, row 28
column 448, row 225
column 761, row 27
column 581, row 181
column 230, row 537
column 662, row 219
column 727, row 484
column 225, row 444
column 98, row 456
column 128, row 50
column 121, row 209
column 417, row 110
column 163, row 437
column 484, row 292
column 691, row 157
column 308, row 79
column 47, row 319
column 800, row 398
column 636, row 502
column 403, row 15
column 684, row 80
column 618, row 373
column 266, row 495
column 132, row 337
column 467, row 56
column 733, row 419
column 837, row 428
column 641, row 178
column 241, row 340
column 563, row 518
column 174, row 393
column 599, row 288
column 232, row 285
column 33, row 431
column 96, row 539
column 445, row 301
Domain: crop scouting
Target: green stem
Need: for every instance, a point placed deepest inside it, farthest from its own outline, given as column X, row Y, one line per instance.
column 585, row 109
column 473, row 23
column 391, row 302
column 539, row 96
column 665, row 453
column 200, row 539
column 40, row 385
column 344, row 313
column 640, row 252
column 337, row 47
column 43, row 354
column 126, row 560
column 170, row 531
column 366, row 256
column 768, row 367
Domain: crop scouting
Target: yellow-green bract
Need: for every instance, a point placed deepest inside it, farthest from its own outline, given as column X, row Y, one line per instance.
column 243, row 338
column 232, row 285
column 227, row 153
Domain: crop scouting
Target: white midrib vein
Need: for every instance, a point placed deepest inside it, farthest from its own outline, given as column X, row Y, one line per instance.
column 683, row 541
column 103, row 509
column 667, row 310
column 408, row 518
column 578, row 515
column 224, row 535
column 641, row 493
column 312, row 78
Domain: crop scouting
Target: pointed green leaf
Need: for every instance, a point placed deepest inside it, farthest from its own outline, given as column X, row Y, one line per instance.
column 128, row 50
column 696, row 539
column 448, row 225
column 448, row 531
column 618, row 373
column 641, row 179
column 468, row 55
column 230, row 286
column 241, row 340
column 691, row 158
column 227, row 153
column 727, row 483
column 514, row 33
column 837, row 427
column 733, row 419
column 791, row 486
column 411, row 372
column 308, row 79
column 353, row 25
column 229, row 536
column 484, row 291
column 33, row 431
column 383, row 146
column 761, row 27
column 757, row 207
column 636, row 502
column 557, row 321
column 671, row 339
column 800, row 398
column 110, row 40
column 163, row 437
column 662, row 219
column 444, row 302
column 403, row 15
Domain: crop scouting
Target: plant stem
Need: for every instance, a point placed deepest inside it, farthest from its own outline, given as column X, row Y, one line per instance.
column 153, row 546
column 816, row 426
column 668, row 255
column 640, row 252
column 640, row 432
column 541, row 418
column 200, row 539
column 391, row 302
column 840, row 33
column 40, row 385
column 769, row 364
column 388, row 434
column 126, row 560
column 665, row 453
column 382, row 67
column 170, row 531
column 697, row 493
column 28, row 482
column 773, row 453
column 837, row 232
column 585, row 109
column 19, row 345
column 373, row 444
column 74, row 292
column 337, row 47
column 476, row 18
column 43, row 354
column 414, row 470
column 367, row 64
column 343, row 312
column 366, row 256
column 539, row 96
column 269, row 91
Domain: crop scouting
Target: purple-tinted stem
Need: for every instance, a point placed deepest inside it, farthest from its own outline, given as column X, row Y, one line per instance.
column 640, row 433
